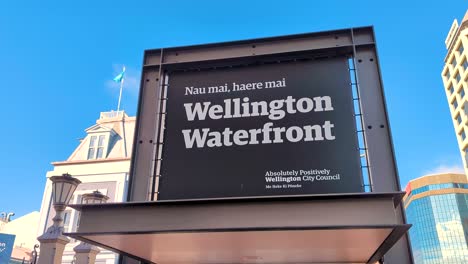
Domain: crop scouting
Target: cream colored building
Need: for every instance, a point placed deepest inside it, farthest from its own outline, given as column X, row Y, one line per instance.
column 24, row 228
column 455, row 78
column 101, row 162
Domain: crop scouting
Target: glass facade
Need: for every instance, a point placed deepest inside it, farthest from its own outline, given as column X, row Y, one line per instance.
column 440, row 223
column 439, row 187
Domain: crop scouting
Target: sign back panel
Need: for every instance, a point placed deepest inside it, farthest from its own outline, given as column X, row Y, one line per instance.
column 273, row 129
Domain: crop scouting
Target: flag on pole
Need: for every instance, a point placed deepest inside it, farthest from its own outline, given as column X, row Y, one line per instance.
column 120, row 77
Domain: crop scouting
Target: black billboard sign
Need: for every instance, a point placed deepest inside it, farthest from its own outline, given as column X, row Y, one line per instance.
column 274, row 129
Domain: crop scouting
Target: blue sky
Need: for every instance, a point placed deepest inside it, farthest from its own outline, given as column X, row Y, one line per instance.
column 57, row 58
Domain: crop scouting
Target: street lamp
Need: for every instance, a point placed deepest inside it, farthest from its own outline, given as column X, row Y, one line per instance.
column 95, row 197
column 84, row 252
column 63, row 188
column 53, row 241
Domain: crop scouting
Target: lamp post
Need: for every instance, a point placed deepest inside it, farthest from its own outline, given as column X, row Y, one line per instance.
column 53, row 241
column 95, row 197
column 84, row 252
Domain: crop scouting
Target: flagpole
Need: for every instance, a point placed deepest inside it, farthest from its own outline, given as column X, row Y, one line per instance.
column 121, row 86
column 120, row 95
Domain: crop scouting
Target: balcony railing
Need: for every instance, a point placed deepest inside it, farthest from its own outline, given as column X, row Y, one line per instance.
column 111, row 114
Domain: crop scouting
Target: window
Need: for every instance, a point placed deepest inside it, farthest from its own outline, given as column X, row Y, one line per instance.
column 460, row 48
column 462, row 93
column 458, row 118
column 454, row 63
column 100, row 149
column 447, row 74
column 457, row 76
column 466, row 156
column 76, row 222
column 92, row 147
column 451, row 89
column 455, row 104
column 465, row 64
column 96, row 147
column 463, row 135
column 66, row 219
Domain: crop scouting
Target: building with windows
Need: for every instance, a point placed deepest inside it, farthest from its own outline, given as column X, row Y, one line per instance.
column 101, row 162
column 437, row 206
column 455, row 78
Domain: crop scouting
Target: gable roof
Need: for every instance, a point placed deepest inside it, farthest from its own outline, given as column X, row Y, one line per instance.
column 98, row 128
column 120, row 129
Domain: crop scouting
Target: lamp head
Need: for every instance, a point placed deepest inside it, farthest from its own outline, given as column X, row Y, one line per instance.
column 63, row 188
column 95, row 197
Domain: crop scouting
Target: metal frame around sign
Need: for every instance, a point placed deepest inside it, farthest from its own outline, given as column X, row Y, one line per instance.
column 357, row 43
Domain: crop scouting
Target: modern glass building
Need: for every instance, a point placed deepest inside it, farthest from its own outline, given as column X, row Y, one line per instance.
column 437, row 206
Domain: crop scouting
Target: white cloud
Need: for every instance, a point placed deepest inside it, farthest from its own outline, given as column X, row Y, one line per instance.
column 445, row 168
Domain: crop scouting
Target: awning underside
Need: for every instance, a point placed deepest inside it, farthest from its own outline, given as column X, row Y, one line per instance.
column 356, row 228
column 338, row 245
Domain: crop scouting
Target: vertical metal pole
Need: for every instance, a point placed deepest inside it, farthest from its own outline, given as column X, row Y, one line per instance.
column 361, row 122
column 381, row 157
column 120, row 95
column 356, row 76
column 139, row 186
column 158, row 129
column 160, row 139
column 35, row 253
column 121, row 86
